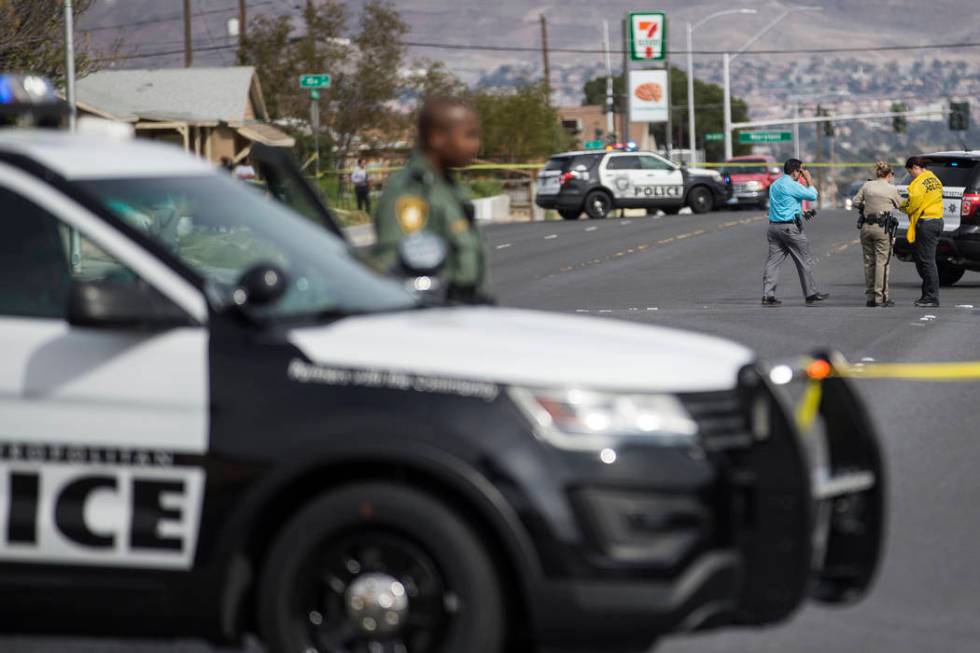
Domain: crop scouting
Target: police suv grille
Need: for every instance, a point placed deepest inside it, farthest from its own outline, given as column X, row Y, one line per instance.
column 721, row 422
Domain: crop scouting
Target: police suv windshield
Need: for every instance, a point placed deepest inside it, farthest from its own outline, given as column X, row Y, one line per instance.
column 220, row 227
column 953, row 173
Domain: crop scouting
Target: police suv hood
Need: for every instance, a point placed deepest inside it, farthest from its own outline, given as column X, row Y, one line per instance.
column 532, row 348
column 702, row 172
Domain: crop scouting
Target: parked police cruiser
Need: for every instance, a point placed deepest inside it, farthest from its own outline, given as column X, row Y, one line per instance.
column 959, row 245
column 598, row 182
column 215, row 421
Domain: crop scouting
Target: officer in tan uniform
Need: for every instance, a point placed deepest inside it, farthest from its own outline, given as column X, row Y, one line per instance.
column 424, row 196
column 876, row 200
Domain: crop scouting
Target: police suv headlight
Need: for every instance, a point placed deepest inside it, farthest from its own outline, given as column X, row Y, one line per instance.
column 589, row 420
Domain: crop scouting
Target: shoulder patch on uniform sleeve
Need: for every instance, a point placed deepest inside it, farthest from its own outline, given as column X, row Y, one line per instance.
column 460, row 226
column 412, row 213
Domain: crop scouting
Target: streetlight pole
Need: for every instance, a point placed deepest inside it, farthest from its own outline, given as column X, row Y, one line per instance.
column 727, row 61
column 691, row 127
column 70, row 62
column 610, row 103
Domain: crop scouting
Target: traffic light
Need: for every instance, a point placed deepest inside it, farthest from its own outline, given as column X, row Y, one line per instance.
column 828, row 127
column 959, row 116
column 899, row 123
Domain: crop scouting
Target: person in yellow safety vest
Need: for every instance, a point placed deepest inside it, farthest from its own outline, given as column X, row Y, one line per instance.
column 925, row 209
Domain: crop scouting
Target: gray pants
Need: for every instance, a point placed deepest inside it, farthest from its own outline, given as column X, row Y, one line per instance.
column 785, row 239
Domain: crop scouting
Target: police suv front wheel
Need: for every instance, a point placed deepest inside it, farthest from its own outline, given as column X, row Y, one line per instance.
column 700, row 200
column 598, row 204
column 380, row 567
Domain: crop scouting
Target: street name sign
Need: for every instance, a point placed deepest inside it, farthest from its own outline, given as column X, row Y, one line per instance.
column 647, row 35
column 594, row 145
column 321, row 80
column 764, row 137
column 714, row 136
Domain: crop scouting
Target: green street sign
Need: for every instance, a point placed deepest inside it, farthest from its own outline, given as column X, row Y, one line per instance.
column 315, row 94
column 315, row 81
column 714, row 136
column 594, row 145
column 764, row 137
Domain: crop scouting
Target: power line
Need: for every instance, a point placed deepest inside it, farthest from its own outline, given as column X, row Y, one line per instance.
column 170, row 19
column 514, row 48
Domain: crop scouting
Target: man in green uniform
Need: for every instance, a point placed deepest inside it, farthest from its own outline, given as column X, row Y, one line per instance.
column 424, row 196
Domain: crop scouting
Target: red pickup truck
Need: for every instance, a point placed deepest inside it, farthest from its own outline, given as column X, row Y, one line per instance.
column 751, row 177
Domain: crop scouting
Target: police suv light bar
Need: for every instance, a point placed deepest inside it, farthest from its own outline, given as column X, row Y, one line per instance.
column 30, row 101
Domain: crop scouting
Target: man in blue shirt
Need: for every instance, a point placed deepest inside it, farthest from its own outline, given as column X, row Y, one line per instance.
column 786, row 237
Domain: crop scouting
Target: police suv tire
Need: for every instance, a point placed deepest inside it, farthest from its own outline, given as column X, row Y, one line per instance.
column 700, row 199
column 478, row 624
column 598, row 204
column 570, row 214
column 949, row 274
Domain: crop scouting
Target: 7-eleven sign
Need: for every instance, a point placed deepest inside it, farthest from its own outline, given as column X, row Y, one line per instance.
column 647, row 35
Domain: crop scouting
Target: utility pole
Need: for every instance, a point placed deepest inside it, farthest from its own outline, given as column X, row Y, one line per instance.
column 624, row 134
column 796, row 130
column 241, row 23
column 188, row 50
column 819, row 129
column 544, row 54
column 610, row 99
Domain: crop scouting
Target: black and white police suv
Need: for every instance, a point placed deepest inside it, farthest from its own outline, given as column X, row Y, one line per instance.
column 598, row 182
column 215, row 421
column 959, row 246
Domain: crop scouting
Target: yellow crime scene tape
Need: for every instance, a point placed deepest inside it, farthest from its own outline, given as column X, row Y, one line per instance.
column 476, row 167
column 818, row 370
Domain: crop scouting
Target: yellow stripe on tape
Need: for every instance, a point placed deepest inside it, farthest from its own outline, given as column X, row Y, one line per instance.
column 964, row 371
column 809, row 406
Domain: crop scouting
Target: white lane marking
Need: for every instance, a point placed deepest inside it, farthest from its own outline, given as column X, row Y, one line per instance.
column 964, row 306
column 652, row 308
column 503, row 246
column 867, row 359
column 551, row 236
column 581, row 310
column 623, row 223
column 929, row 317
column 605, row 310
column 591, row 228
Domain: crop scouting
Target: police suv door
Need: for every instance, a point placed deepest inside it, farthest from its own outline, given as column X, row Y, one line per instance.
column 101, row 427
column 621, row 174
column 663, row 181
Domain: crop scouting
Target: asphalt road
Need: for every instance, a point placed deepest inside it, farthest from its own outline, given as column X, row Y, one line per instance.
column 704, row 273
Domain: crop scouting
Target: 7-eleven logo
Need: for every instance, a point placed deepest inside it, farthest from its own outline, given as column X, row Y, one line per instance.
column 648, row 35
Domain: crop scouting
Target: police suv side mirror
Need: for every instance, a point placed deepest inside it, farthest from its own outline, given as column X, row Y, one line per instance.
column 260, row 285
column 114, row 304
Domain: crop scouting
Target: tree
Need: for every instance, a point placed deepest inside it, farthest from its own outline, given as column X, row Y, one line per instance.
column 32, row 39
column 364, row 63
column 519, row 124
column 708, row 104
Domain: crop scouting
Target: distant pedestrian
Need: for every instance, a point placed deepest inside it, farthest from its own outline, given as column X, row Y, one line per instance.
column 362, row 186
column 876, row 200
column 925, row 209
column 785, row 234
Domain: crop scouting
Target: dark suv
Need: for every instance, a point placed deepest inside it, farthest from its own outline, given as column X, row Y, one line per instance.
column 959, row 246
